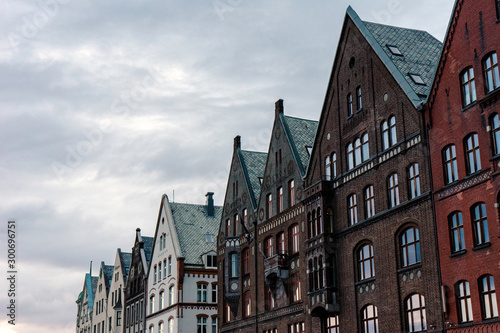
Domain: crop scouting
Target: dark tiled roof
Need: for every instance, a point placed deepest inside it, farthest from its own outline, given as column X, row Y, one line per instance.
column 420, row 53
column 126, row 259
column 192, row 224
column 108, row 274
column 148, row 246
column 301, row 133
column 254, row 164
column 93, row 284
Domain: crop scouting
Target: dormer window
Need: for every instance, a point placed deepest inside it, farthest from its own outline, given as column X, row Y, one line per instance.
column 417, row 79
column 394, row 50
column 211, row 261
column 209, row 238
column 309, row 150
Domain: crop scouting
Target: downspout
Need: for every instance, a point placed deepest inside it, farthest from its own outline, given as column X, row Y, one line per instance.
column 256, row 279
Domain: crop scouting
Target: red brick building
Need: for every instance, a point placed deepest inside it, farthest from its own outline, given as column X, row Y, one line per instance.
column 462, row 116
column 371, row 250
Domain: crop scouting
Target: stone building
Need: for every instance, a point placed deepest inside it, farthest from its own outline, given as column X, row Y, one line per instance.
column 463, row 123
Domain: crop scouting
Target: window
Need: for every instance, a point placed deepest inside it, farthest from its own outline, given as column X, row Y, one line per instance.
column 294, row 239
column 269, row 205
column 214, row 324
column 353, row 209
column 495, row 133
column 171, row 325
column 244, row 217
column 211, row 261
column 295, row 287
column 161, row 242
column 227, row 313
column 369, row 201
column 394, row 50
column 480, row 224
column 328, row 168
column 491, row 74
column 160, row 327
column 450, row 164
column 202, row 324
column 410, row 246
column 457, row 238
column 472, row 157
column 228, row 227
column 169, row 265
column 159, row 271
column 296, row 328
column 365, row 147
column 281, row 243
column 151, row 304
column 415, row 313
column 334, row 165
column 389, row 136
column 332, row 324
column 393, row 190
column 201, row 294
column 155, row 274
column 170, row 295
column 291, row 193
column 358, row 98
column 164, row 267
column 489, row 305
column 349, row 105
column 464, row 303
column 236, row 225
column 234, row 265
column 280, row 199
column 118, row 318
column 350, row 156
column 416, row 78
column 369, row 319
column 413, row 181
column 498, row 9
column 269, row 299
column 246, row 304
column 246, row 261
column 366, row 265
column 268, row 243
column 468, row 86
column 162, row 299
column 214, row 292
column 357, row 151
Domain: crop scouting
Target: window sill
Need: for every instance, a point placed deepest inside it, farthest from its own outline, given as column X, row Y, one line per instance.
column 489, row 320
column 481, row 246
column 468, row 106
column 410, row 267
column 466, row 324
column 365, row 281
column 458, row 253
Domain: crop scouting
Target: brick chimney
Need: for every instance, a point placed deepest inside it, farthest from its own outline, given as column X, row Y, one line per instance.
column 278, row 107
column 237, row 142
column 210, row 203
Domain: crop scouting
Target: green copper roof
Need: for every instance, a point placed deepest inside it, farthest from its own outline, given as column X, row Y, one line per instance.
column 300, row 133
column 253, row 164
column 192, row 224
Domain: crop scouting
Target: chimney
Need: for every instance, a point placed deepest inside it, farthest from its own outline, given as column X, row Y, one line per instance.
column 237, row 142
column 278, row 107
column 210, row 203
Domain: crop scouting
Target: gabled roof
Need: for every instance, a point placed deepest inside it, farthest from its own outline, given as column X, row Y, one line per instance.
column 191, row 225
column 126, row 259
column 300, row 134
column 253, row 164
column 108, row 270
column 148, row 246
column 420, row 54
column 91, row 287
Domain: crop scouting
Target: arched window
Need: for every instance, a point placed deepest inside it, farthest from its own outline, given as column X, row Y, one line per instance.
column 369, row 201
column 269, row 205
column 369, row 318
column 464, row 302
column 159, row 271
column 415, row 313
column 353, row 209
column 349, row 105
column 319, row 221
column 151, row 304
column 321, row 272
column 170, row 325
column 311, row 275
column 315, row 274
column 162, row 300
column 468, row 86
column 489, row 305
column 202, row 324
column 472, row 156
column 457, row 238
column 389, row 134
column 480, row 224
column 358, row 98
column 234, row 264
column 366, row 265
column 410, row 246
column 170, row 295
column 269, row 300
column 392, row 130
column 328, row 168
column 365, row 147
column 350, row 156
column 334, row 165
column 491, row 74
column 413, row 181
column 495, row 133
column 450, row 164
column 357, row 151
column 160, row 327
column 393, row 190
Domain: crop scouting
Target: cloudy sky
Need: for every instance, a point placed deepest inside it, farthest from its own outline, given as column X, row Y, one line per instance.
column 106, row 105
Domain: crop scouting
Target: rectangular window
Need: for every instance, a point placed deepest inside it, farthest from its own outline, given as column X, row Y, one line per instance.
column 491, row 72
column 269, row 247
column 328, row 168
column 480, row 224
column 236, row 225
column 332, row 324
column 294, row 239
column 393, row 190
column 488, row 297
column 169, row 265
column 269, row 299
column 118, row 318
column 413, row 181
column 269, row 205
column 164, row 267
column 214, row 324
column 450, row 164
column 295, row 287
column 281, row 243
column 202, row 325
column 280, row 200
column 246, row 261
column 244, row 219
column 155, row 274
column 162, row 299
column 353, row 209
column 468, row 86
column 291, row 193
column 369, row 202
column 214, row 292
column 473, row 158
column 159, row 271
column 247, row 304
column 228, row 227
column 464, row 302
column 170, row 295
column 202, row 293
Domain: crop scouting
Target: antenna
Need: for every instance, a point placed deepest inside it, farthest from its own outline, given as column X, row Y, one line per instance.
column 91, row 268
column 173, row 195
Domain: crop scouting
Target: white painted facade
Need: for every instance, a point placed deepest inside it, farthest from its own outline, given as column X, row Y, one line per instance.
column 116, row 291
column 85, row 305
column 174, row 303
column 100, row 320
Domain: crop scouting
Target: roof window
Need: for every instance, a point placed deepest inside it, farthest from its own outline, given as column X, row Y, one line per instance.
column 394, row 50
column 417, row 79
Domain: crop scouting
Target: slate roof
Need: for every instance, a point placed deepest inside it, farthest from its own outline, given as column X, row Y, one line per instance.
column 420, row 54
column 126, row 261
column 108, row 273
column 254, row 164
column 148, row 246
column 93, row 284
column 192, row 224
column 300, row 133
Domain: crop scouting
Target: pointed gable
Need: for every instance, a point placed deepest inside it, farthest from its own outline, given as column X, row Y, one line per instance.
column 300, row 134
column 253, row 164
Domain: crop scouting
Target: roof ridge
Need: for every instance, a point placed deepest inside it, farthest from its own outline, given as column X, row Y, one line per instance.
column 305, row 119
